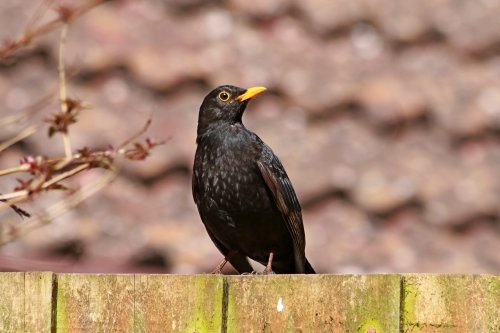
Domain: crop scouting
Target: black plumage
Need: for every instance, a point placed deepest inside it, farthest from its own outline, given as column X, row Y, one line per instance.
column 244, row 196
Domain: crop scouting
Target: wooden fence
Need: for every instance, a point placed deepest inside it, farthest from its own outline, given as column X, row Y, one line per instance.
column 48, row 302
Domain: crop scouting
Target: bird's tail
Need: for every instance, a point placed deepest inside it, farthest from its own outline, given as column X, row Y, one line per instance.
column 309, row 269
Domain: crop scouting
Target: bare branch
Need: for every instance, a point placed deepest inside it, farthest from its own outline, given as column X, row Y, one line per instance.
column 29, row 111
column 48, row 173
column 12, row 197
column 138, row 134
column 65, row 175
column 21, row 212
column 62, row 88
column 18, row 137
column 38, row 14
column 65, row 16
column 21, row 168
column 46, row 216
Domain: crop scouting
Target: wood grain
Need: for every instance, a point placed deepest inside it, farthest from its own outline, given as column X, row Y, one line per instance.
column 314, row 303
column 172, row 303
column 95, row 303
column 451, row 303
column 26, row 302
column 418, row 303
column 12, row 302
column 39, row 301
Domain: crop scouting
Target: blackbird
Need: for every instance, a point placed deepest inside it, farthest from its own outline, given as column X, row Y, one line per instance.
column 243, row 194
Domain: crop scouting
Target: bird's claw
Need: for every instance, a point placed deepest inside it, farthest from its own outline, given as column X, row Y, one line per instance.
column 268, row 272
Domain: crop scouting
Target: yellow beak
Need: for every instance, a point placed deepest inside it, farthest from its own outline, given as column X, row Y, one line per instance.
column 250, row 93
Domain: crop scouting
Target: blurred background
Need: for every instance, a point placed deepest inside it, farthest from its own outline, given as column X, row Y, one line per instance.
column 385, row 113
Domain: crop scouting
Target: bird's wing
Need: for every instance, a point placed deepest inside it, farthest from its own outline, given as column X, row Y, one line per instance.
column 284, row 196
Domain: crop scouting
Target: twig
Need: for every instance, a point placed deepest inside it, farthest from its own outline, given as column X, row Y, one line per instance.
column 28, row 111
column 47, row 173
column 19, row 211
column 65, row 175
column 14, row 196
column 62, row 88
column 60, row 68
column 59, row 208
column 45, row 184
column 136, row 135
column 21, row 168
column 18, row 137
column 28, row 35
column 38, row 14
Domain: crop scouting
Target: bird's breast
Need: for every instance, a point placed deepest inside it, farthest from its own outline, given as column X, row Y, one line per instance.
column 228, row 177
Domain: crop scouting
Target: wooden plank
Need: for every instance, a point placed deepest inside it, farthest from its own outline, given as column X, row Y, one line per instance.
column 451, row 303
column 313, row 303
column 12, row 302
column 280, row 303
column 172, row 303
column 95, row 303
column 26, row 302
column 38, row 301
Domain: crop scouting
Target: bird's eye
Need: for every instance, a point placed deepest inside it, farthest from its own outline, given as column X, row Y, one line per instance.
column 224, row 96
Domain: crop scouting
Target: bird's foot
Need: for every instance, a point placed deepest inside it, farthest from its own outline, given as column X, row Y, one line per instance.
column 218, row 269
column 250, row 273
column 268, row 271
column 269, row 267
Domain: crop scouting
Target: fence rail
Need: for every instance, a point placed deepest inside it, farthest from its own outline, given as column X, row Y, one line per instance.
column 49, row 302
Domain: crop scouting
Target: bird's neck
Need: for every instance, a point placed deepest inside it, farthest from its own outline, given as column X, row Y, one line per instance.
column 217, row 130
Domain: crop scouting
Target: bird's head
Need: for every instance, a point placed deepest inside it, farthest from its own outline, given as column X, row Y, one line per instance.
column 225, row 104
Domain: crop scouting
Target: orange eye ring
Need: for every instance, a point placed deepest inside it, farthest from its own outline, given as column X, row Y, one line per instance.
column 224, row 96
